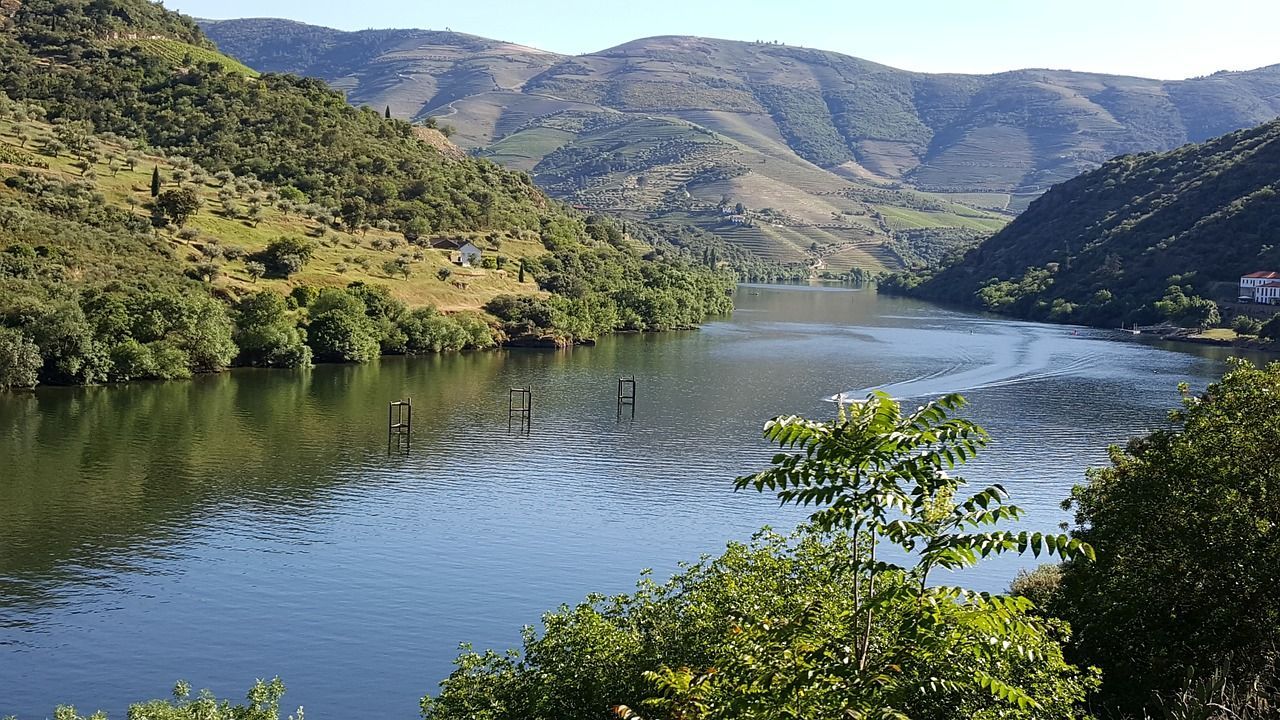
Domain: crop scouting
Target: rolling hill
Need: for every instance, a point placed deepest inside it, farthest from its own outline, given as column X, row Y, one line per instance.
column 832, row 157
column 1144, row 238
column 159, row 201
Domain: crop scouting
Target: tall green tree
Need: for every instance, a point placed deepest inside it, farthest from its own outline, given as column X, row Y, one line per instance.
column 1186, row 523
column 388, row 112
column 885, row 477
column 155, row 181
column 178, row 206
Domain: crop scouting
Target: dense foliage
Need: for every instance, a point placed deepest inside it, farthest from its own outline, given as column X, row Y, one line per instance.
column 1143, row 239
column 1186, row 525
column 603, row 285
column 827, row 624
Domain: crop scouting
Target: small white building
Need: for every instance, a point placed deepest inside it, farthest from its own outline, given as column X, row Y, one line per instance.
column 469, row 255
column 1260, row 287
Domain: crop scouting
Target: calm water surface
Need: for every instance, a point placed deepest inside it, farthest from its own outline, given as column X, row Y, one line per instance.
column 252, row 524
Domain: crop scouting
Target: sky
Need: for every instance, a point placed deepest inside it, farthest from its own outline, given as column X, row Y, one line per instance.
column 1167, row 39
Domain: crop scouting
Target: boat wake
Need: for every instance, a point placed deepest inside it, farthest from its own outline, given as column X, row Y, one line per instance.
column 1029, row 358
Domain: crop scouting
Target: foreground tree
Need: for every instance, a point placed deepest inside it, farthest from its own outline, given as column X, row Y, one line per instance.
column 842, row 621
column 1186, row 523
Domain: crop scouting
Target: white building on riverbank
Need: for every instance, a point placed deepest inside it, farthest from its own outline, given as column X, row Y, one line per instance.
column 1261, row 287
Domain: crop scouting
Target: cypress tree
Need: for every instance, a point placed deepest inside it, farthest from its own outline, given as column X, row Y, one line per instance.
column 521, row 270
column 155, row 181
column 388, row 112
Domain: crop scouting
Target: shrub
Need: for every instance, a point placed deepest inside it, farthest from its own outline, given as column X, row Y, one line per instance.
column 267, row 335
column 340, row 330
column 1184, row 523
column 19, row 360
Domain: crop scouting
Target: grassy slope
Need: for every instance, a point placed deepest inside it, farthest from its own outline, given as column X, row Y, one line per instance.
column 423, row 287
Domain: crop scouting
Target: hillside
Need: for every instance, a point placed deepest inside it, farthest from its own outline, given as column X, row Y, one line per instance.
column 668, row 127
column 1141, row 239
column 160, row 200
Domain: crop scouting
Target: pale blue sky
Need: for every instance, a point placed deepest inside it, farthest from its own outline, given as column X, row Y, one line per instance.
column 1164, row 39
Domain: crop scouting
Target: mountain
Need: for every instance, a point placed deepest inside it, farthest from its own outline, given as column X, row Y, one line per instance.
column 1143, row 238
column 819, row 147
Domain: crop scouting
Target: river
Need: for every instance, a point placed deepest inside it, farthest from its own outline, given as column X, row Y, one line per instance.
column 253, row 523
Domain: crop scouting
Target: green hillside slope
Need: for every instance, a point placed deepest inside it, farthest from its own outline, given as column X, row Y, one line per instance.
column 160, row 199
column 1137, row 240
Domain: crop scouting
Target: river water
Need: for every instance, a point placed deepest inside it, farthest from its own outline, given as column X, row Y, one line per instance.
column 254, row 524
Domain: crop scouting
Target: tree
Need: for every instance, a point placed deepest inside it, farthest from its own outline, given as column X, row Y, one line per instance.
column 1184, row 522
column 255, row 270
column 415, row 229
column 882, row 476
column 178, row 206
column 522, row 265
column 341, row 330
column 266, row 333
column 285, row 256
column 1270, row 330
column 20, row 360
column 353, row 212
column 398, row 266
column 155, row 181
column 388, row 113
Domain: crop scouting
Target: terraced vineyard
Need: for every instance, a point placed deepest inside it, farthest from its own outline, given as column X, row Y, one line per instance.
column 819, row 147
column 180, row 53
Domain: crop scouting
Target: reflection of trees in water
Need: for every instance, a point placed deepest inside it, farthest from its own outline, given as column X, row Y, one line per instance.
column 97, row 479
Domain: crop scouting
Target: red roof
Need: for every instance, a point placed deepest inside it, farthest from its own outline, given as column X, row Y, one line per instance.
column 1263, row 274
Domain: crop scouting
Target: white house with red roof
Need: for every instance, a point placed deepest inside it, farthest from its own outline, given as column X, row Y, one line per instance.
column 1261, row 287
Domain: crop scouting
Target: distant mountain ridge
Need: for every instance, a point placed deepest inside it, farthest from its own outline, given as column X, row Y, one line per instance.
column 673, row 125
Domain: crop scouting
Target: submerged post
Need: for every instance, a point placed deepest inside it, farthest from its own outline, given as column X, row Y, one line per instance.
column 399, row 424
column 627, row 395
column 520, row 405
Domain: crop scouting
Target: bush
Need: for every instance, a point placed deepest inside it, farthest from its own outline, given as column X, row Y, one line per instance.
column 267, row 334
column 1184, row 522
column 818, row 625
column 340, row 330
column 1245, row 325
column 19, row 360
column 304, row 295
column 263, row 704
